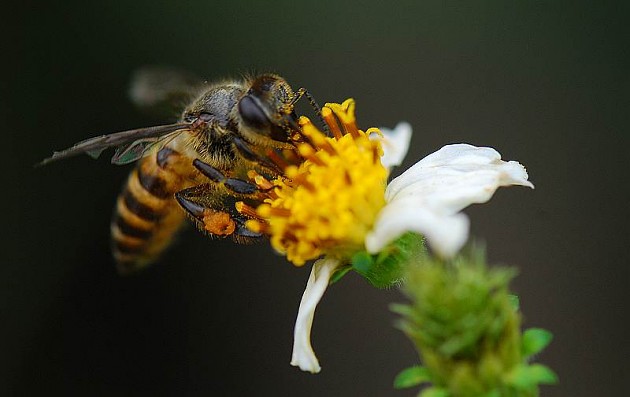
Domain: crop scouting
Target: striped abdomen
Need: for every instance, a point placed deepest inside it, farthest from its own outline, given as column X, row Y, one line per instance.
column 147, row 215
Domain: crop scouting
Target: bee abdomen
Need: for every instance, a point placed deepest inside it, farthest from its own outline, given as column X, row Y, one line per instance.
column 147, row 215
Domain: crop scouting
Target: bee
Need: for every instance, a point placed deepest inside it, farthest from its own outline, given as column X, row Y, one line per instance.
column 196, row 167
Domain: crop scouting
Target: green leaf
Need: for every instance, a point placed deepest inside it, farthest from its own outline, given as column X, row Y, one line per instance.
column 534, row 341
column 412, row 376
column 402, row 309
column 542, row 374
column 519, row 378
column 514, row 301
column 526, row 377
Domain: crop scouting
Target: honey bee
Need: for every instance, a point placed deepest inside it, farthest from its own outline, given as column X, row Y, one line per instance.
column 198, row 164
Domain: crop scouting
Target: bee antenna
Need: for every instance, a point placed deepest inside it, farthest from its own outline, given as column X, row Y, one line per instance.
column 304, row 92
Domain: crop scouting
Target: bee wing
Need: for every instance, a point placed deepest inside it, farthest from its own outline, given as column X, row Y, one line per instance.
column 162, row 90
column 131, row 145
column 129, row 153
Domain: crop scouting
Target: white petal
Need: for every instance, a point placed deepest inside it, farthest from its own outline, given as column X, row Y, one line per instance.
column 303, row 355
column 458, row 161
column 446, row 233
column 427, row 197
column 395, row 144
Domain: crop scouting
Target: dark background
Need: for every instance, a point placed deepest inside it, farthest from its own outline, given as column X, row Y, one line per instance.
column 545, row 83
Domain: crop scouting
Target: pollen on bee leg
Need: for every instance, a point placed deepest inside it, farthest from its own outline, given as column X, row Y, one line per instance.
column 219, row 223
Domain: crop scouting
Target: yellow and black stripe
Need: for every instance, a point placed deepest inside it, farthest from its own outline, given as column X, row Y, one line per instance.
column 147, row 215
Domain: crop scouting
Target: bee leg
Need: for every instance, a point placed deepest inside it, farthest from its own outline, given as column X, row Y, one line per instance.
column 243, row 149
column 237, row 186
column 242, row 233
column 209, row 216
column 212, row 215
column 191, row 200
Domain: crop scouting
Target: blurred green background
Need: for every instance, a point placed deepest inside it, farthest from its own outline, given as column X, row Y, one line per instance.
column 545, row 83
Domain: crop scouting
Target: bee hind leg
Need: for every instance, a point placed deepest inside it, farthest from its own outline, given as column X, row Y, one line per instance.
column 213, row 215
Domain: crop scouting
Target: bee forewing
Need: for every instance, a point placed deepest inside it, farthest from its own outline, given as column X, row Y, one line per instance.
column 94, row 146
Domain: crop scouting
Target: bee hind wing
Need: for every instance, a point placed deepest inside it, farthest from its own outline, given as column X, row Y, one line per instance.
column 162, row 90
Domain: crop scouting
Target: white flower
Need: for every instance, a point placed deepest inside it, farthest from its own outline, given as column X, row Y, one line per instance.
column 426, row 199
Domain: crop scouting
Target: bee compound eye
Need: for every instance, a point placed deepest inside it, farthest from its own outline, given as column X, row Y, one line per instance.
column 251, row 112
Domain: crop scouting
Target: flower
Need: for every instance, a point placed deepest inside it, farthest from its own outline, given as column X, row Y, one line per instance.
column 428, row 197
column 328, row 202
column 334, row 201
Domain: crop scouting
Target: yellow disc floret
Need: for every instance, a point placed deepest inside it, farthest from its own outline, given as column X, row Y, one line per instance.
column 327, row 203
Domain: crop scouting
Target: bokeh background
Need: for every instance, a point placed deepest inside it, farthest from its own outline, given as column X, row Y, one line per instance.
column 545, row 83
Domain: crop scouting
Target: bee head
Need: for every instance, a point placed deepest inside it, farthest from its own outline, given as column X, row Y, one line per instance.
column 266, row 111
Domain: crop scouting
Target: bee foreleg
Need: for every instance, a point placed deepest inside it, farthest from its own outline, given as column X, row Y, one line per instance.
column 243, row 149
column 236, row 186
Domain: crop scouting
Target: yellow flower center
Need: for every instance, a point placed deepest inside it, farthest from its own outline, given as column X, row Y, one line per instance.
column 327, row 203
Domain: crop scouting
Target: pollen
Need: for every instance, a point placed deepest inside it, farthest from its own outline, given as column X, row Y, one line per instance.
column 218, row 223
column 328, row 201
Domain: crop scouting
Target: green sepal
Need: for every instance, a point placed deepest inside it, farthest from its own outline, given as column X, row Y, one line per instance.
column 362, row 263
column 339, row 273
column 388, row 267
column 412, row 376
column 534, row 341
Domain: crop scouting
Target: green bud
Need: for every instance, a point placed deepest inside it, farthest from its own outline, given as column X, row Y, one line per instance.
column 466, row 327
